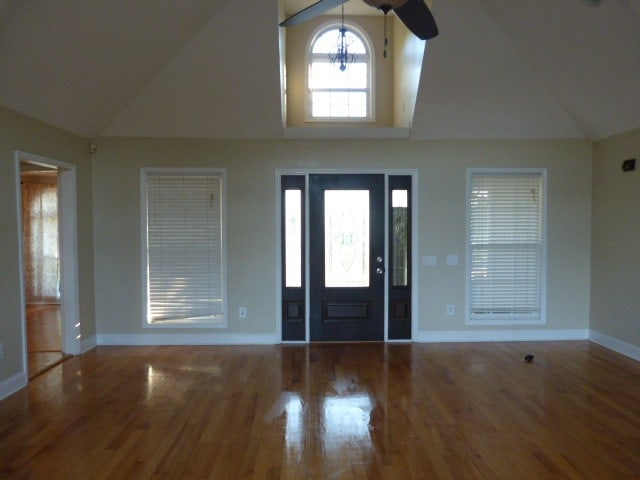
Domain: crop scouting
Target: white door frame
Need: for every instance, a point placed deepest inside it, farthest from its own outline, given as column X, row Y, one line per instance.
column 67, row 221
column 413, row 173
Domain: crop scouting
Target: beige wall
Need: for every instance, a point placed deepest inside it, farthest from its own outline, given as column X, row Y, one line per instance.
column 408, row 53
column 251, row 216
column 587, row 287
column 615, row 300
column 297, row 40
column 21, row 133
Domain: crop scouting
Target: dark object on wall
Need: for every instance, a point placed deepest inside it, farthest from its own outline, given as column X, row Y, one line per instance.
column 528, row 358
column 629, row 165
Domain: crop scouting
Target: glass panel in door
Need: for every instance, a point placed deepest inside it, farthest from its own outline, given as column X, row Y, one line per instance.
column 346, row 237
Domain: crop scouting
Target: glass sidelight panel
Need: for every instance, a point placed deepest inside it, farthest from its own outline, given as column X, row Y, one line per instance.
column 293, row 253
column 293, row 238
column 346, row 217
column 399, row 243
column 400, row 238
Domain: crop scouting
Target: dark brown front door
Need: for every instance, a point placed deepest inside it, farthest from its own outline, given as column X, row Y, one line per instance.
column 346, row 257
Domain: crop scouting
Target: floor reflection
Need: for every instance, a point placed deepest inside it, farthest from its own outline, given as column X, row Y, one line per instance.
column 345, row 419
column 294, row 433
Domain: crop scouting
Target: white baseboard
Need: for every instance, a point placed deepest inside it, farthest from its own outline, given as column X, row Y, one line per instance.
column 612, row 343
column 151, row 339
column 87, row 344
column 444, row 336
column 12, row 384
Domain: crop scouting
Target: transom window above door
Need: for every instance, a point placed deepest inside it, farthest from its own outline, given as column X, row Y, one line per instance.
column 339, row 90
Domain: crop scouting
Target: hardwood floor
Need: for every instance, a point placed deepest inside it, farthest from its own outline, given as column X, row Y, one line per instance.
column 44, row 337
column 347, row 411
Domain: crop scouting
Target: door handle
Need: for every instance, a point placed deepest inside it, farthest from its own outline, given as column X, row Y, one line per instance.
column 380, row 270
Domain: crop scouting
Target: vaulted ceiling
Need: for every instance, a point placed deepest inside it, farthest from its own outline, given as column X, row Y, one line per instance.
column 210, row 68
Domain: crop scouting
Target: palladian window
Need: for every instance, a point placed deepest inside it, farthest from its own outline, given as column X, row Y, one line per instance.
column 339, row 87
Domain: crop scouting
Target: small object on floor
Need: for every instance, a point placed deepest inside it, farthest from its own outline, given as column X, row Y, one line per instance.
column 528, row 358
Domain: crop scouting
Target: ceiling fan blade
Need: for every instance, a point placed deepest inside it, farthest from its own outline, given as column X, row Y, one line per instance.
column 311, row 11
column 418, row 18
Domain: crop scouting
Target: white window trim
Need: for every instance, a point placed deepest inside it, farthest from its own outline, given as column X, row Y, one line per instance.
column 191, row 323
column 371, row 118
column 514, row 320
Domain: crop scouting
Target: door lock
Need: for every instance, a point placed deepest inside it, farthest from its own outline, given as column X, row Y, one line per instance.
column 380, row 270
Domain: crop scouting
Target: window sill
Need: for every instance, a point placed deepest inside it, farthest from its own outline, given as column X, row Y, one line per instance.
column 221, row 323
column 505, row 321
column 313, row 132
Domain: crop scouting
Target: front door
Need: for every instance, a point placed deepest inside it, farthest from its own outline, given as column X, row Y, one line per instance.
column 346, row 230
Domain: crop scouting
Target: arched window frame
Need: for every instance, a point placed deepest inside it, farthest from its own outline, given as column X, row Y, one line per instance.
column 368, row 58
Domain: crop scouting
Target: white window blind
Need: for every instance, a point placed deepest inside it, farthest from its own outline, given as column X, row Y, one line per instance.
column 506, row 249
column 184, row 248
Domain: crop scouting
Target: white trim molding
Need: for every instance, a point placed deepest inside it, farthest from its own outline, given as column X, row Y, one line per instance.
column 68, row 250
column 349, row 131
column 12, row 384
column 151, row 339
column 88, row 343
column 615, row 344
column 444, row 336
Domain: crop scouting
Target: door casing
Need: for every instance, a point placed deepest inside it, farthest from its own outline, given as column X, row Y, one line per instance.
column 68, row 252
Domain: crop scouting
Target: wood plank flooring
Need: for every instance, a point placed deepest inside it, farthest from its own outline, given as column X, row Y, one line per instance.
column 343, row 411
column 44, row 337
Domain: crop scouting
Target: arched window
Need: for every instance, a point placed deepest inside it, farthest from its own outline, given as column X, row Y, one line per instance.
column 336, row 93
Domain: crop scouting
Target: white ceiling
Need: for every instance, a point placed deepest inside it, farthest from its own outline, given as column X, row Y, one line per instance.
column 209, row 68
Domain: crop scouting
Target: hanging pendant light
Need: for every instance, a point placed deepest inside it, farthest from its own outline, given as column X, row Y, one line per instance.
column 342, row 55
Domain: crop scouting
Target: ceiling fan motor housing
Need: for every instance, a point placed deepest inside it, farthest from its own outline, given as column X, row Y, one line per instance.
column 385, row 5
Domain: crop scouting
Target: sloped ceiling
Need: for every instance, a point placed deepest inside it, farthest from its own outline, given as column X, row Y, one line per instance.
column 210, row 68
column 548, row 68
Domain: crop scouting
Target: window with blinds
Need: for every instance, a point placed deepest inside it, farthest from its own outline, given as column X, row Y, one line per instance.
column 505, row 246
column 183, row 226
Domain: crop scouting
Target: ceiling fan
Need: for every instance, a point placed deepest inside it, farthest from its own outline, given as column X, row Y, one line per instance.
column 415, row 14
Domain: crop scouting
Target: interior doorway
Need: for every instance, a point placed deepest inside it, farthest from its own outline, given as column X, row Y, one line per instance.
column 41, row 266
column 46, row 191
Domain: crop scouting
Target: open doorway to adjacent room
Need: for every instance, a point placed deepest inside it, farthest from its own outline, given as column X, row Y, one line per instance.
column 41, row 263
column 48, row 258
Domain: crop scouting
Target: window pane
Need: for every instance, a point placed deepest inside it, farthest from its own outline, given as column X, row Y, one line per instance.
column 324, row 74
column 339, row 104
column 399, row 199
column 321, row 104
column 400, row 225
column 293, row 238
column 328, row 42
column 346, row 227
